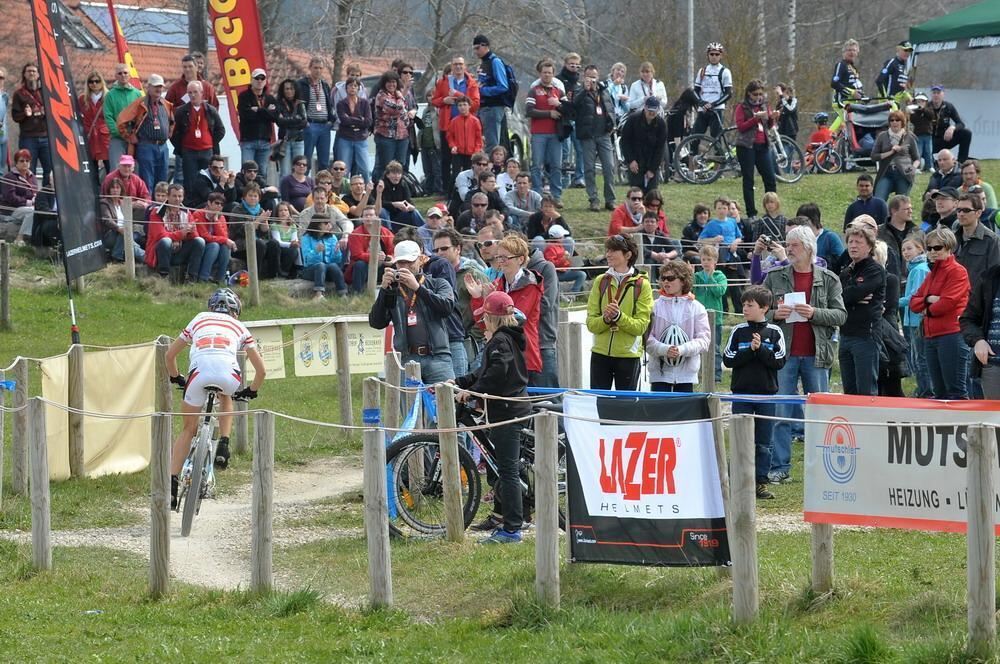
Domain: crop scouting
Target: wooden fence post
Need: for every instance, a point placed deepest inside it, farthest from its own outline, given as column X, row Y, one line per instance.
column 376, row 499
column 250, row 235
column 41, row 516
column 563, row 357
column 394, row 377
column 454, row 514
column 242, row 422
column 576, row 353
column 822, row 557
column 76, row 467
column 415, row 462
column 19, row 430
column 981, row 539
column 262, row 537
column 343, row 373
column 374, row 247
column 547, row 510
column 708, row 357
column 743, row 506
column 159, row 506
column 128, row 238
column 163, row 399
column 722, row 461
column 4, row 286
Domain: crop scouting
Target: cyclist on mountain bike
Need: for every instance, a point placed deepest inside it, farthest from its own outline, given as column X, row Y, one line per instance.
column 714, row 86
column 215, row 337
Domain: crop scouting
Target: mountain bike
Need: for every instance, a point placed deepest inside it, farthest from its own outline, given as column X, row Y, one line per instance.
column 415, row 473
column 703, row 159
column 824, row 158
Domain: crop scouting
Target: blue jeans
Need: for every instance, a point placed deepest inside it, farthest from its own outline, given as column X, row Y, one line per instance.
column 546, row 152
column 947, row 363
column 858, row 365
column 292, row 150
column 549, row 375
column 259, row 151
column 433, row 368
column 152, row 161
column 216, row 256
column 354, row 154
column 594, row 149
column 118, row 249
column 39, row 149
column 918, row 362
column 578, row 164
column 321, row 273
column 762, row 429
column 491, row 117
column 892, row 182
column 459, row 359
column 925, row 145
column 578, row 277
column 389, row 149
column 797, row 367
column 189, row 254
column 317, row 135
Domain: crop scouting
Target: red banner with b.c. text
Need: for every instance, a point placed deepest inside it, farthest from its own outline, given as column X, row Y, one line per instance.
column 240, row 45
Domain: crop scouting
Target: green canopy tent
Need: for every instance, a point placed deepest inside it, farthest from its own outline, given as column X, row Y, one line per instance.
column 979, row 20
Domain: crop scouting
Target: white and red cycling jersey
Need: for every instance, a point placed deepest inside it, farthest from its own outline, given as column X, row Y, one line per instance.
column 215, row 339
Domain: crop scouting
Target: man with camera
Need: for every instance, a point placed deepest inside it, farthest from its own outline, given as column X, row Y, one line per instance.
column 595, row 112
column 417, row 305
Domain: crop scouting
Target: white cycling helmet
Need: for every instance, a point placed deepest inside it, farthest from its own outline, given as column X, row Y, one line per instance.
column 225, row 301
column 715, row 46
column 674, row 336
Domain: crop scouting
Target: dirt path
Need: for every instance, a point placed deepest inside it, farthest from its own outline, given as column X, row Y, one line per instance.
column 217, row 553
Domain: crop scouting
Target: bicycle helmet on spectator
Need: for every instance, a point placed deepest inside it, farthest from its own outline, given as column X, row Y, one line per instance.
column 225, row 301
column 715, row 46
column 821, row 118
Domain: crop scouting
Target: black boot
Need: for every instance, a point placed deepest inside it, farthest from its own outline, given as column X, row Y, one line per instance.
column 222, row 453
column 173, row 492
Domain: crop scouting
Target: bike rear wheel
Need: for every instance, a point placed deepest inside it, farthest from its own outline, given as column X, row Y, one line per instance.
column 828, row 160
column 415, row 481
column 792, row 166
column 192, row 495
column 700, row 159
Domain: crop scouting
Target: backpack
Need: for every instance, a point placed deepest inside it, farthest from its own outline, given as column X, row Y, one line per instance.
column 416, row 189
column 510, row 96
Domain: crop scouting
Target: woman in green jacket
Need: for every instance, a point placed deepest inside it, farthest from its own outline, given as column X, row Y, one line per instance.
column 618, row 311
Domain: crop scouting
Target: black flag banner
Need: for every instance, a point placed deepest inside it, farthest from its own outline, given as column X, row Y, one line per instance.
column 75, row 195
column 646, row 492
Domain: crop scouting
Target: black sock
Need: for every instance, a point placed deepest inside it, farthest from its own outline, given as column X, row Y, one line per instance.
column 173, row 486
column 224, row 440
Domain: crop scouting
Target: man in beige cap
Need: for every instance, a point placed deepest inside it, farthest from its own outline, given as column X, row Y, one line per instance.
column 146, row 124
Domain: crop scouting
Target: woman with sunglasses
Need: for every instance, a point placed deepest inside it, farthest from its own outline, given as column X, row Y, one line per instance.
column 618, row 313
column 897, row 154
column 292, row 120
column 95, row 128
column 753, row 118
column 296, row 186
column 679, row 332
column 942, row 298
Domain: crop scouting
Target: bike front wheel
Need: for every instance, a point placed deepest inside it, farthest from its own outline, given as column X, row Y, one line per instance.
column 700, row 159
column 416, row 483
column 828, row 160
column 790, row 165
column 192, row 494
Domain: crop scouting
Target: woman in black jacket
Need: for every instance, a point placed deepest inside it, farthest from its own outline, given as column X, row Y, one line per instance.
column 864, row 296
column 502, row 374
column 291, row 119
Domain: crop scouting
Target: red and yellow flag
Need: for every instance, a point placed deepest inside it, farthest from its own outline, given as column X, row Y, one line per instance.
column 121, row 45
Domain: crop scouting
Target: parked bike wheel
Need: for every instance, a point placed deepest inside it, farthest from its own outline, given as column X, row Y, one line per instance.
column 792, row 165
column 192, row 495
column 828, row 160
column 420, row 500
column 700, row 159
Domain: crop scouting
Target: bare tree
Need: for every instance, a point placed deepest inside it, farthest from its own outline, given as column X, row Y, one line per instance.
column 197, row 26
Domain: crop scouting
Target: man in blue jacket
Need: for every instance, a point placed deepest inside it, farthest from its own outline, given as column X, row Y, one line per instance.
column 493, row 89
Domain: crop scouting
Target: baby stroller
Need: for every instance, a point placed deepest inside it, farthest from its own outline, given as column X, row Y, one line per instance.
column 856, row 137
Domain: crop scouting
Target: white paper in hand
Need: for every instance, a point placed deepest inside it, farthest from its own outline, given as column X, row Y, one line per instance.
column 791, row 299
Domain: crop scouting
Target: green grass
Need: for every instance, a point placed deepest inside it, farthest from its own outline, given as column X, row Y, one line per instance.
column 899, row 595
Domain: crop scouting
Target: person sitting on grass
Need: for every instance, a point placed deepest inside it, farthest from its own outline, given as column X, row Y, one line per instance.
column 503, row 373
column 755, row 352
column 321, row 257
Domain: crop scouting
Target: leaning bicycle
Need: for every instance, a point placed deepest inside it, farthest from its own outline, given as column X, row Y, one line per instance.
column 415, row 474
column 703, row 158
